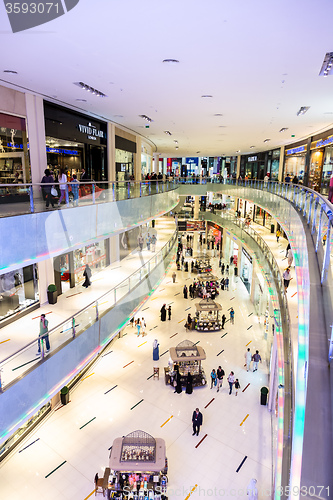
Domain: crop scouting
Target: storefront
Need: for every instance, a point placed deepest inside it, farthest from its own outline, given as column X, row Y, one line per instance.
column 125, row 150
column 246, row 269
column 75, row 141
column 18, row 292
column 295, row 161
column 69, row 267
column 14, row 161
column 321, row 162
column 230, row 247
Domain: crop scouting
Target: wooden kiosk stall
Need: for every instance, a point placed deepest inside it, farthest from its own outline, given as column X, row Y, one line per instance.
column 202, row 265
column 139, row 466
column 187, row 356
column 207, row 316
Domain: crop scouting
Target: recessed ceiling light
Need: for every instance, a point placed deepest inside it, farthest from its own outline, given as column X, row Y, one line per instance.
column 283, row 129
column 10, row 71
column 145, row 117
column 218, row 114
column 206, row 96
column 88, row 88
column 266, row 140
column 167, row 132
column 327, row 64
column 302, row 110
column 171, row 61
column 81, row 100
column 222, row 126
column 238, row 151
column 251, row 147
column 197, row 152
column 177, row 147
column 119, row 116
column 175, row 141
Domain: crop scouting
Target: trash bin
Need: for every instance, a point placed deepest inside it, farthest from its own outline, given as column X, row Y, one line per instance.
column 236, row 270
column 263, row 397
column 64, row 395
column 272, row 228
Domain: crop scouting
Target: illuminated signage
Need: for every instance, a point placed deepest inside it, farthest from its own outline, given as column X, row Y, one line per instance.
column 71, row 152
column 91, row 131
column 252, row 158
column 324, row 142
column 293, row 151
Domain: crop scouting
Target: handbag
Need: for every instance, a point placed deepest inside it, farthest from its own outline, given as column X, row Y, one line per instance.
column 54, row 192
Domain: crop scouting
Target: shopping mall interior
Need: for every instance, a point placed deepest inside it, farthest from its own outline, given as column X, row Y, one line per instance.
column 166, row 210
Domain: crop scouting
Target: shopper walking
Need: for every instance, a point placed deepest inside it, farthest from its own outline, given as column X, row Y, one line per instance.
column 163, row 312
column 43, row 333
column 178, row 388
column 140, row 242
column 231, row 381
column 169, row 313
column 189, row 321
column 222, row 268
column 222, row 284
column 288, row 247
column 189, row 384
column 75, row 190
column 223, row 319
column 148, row 241
column 290, row 257
column 87, row 276
column 237, row 386
column 185, row 292
column 138, row 326
column 156, row 350
column 232, row 316
column 252, row 490
column 226, row 283
column 248, row 359
column 196, row 421
column 62, row 179
column 213, row 378
column 219, row 374
column 153, row 243
column 143, row 327
column 278, row 234
column 48, row 179
column 174, row 276
column 256, row 358
column 286, row 278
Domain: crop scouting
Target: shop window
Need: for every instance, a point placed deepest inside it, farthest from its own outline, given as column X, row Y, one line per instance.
column 18, row 290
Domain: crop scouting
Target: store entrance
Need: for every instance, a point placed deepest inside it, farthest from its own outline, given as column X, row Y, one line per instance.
column 64, row 272
column 12, row 168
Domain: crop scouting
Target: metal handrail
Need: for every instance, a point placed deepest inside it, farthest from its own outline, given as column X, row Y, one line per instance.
column 171, row 240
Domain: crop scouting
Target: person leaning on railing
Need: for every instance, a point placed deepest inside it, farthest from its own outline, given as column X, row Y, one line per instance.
column 48, row 180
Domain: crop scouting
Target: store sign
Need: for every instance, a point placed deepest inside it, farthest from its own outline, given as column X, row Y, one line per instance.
column 293, row 151
column 324, row 142
column 71, row 152
column 247, row 255
column 91, row 131
column 252, row 158
column 192, row 161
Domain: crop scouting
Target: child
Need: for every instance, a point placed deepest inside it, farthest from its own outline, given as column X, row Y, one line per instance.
column 278, row 234
column 237, row 385
column 75, row 191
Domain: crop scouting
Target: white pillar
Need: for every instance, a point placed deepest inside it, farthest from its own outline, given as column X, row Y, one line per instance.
column 238, row 166
column 36, row 133
column 45, row 278
column 111, row 141
column 114, row 248
column 156, row 162
column 196, row 207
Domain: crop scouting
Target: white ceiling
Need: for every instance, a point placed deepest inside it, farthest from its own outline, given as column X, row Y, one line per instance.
column 260, row 60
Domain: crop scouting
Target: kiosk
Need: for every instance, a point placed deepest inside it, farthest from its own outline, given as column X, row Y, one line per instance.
column 139, row 467
column 187, row 356
column 207, row 316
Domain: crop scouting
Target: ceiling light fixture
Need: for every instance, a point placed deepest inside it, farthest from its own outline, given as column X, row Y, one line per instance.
column 266, row 140
column 302, row 110
column 283, row 129
column 206, row 96
column 86, row 87
column 177, row 147
column 145, row 117
column 171, row 61
column 238, row 151
column 81, row 100
column 175, row 141
column 251, row 147
column 10, row 71
column 167, row 132
column 218, row 114
column 197, row 152
column 327, row 64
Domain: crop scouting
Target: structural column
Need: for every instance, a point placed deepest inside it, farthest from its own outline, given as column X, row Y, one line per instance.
column 36, row 133
column 196, row 207
column 156, row 162
column 111, row 142
column 137, row 160
column 45, row 278
column 281, row 163
column 238, row 166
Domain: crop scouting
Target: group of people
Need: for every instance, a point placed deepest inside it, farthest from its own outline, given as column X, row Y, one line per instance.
column 208, row 289
column 216, row 378
column 256, row 358
column 50, row 192
column 140, row 326
column 163, row 311
column 150, row 242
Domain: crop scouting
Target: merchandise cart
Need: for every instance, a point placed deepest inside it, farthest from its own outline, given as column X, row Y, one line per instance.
column 207, row 316
column 187, row 356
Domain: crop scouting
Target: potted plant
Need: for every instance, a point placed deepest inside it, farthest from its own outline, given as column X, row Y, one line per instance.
column 52, row 294
column 64, row 395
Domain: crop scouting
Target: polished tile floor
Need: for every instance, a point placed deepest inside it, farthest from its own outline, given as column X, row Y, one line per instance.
column 236, row 427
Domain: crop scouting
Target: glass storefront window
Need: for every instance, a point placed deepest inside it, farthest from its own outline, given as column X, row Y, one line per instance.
column 274, row 173
column 18, row 290
column 124, row 165
column 14, row 164
column 64, row 154
column 294, row 165
column 94, row 255
column 327, row 170
column 316, row 164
